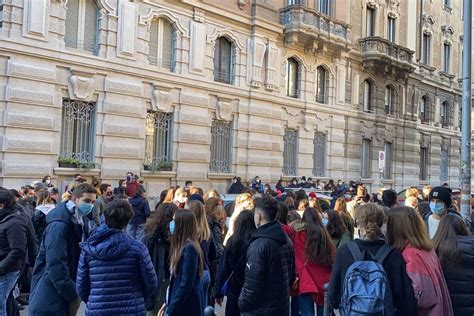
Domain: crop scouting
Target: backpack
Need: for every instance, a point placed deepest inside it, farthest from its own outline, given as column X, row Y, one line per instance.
column 366, row 290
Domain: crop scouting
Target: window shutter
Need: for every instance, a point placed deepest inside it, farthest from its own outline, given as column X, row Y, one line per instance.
column 153, row 43
column 90, row 26
column 167, row 45
column 72, row 22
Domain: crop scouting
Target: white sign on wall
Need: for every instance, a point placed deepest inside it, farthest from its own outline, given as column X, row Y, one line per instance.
column 381, row 160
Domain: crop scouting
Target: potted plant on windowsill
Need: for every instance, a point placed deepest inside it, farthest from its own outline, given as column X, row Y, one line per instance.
column 70, row 162
column 160, row 166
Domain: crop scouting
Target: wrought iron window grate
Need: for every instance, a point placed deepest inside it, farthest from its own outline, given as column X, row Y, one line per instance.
column 221, row 146
column 290, row 152
column 319, row 154
column 158, row 139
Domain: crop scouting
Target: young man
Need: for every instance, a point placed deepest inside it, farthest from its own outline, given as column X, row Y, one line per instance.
column 132, row 184
column 270, row 267
column 53, row 285
column 440, row 203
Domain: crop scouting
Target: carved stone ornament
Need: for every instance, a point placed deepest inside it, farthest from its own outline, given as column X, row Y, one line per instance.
column 81, row 85
column 445, row 143
column 428, row 24
column 161, row 99
column 425, row 140
column 198, row 15
column 224, row 108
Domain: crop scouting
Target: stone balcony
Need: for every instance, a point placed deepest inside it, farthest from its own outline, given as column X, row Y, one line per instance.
column 313, row 29
column 382, row 55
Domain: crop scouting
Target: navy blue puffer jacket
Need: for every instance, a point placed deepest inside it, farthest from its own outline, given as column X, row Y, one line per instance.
column 115, row 274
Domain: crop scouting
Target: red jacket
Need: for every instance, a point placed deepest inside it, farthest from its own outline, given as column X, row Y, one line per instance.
column 132, row 188
column 312, row 276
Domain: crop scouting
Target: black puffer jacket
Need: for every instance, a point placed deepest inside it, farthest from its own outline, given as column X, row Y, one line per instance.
column 269, row 272
column 13, row 241
column 460, row 279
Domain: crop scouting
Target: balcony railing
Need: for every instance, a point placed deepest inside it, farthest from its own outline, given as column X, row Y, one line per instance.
column 384, row 50
column 299, row 18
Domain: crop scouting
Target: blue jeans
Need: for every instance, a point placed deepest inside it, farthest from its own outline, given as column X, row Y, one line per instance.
column 136, row 231
column 306, row 305
column 205, row 282
column 7, row 283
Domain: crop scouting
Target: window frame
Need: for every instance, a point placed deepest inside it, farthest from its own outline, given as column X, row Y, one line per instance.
column 290, row 152
column 292, row 92
column 324, row 7
column 219, row 74
column 387, row 171
column 444, row 113
column 80, row 28
column 370, row 19
column 319, row 169
column 367, row 97
column 221, row 146
column 389, row 99
column 391, row 29
column 444, row 165
column 426, row 49
column 163, row 121
column 424, row 163
column 366, row 159
column 160, row 61
column 425, row 118
column 447, row 57
column 324, row 97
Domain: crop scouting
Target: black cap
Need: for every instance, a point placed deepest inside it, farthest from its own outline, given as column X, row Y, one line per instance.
column 443, row 194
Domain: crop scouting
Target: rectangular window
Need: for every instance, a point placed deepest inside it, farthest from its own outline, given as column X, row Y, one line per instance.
column 1, row 13
column 388, row 101
column 391, row 29
column 423, row 163
column 81, row 30
column 387, row 172
column 223, row 61
column 290, row 151
column 290, row 2
column 366, row 159
column 319, row 154
column 221, row 146
column 461, row 57
column 161, row 44
column 426, row 49
column 447, row 3
column 370, row 22
column 447, row 57
column 367, row 101
column 325, row 7
column 158, row 139
column 78, row 130
column 444, row 165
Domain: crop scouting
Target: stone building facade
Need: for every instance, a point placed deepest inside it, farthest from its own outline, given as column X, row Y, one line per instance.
column 204, row 90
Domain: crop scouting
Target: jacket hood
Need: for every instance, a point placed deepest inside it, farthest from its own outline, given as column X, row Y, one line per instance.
column 107, row 243
column 60, row 213
column 4, row 214
column 45, row 208
column 299, row 225
column 136, row 200
column 271, row 230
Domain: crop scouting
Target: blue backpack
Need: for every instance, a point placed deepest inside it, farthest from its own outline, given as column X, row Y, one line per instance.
column 366, row 290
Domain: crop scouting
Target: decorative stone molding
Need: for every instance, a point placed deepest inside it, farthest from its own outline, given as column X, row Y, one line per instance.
column 372, row 4
column 273, row 57
column 198, row 15
column 16, row 68
column 81, row 85
column 428, row 24
column 425, row 140
column 103, row 5
column 211, row 38
column 161, row 99
column 224, row 107
column 447, row 32
column 36, row 18
column 153, row 14
column 445, row 143
column 126, row 37
column 242, row 3
column 256, row 59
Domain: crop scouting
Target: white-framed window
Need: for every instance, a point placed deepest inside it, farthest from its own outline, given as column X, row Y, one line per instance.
column 78, row 130
column 370, row 22
column 292, row 77
column 161, row 44
column 223, row 67
column 424, row 110
column 445, row 114
column 158, row 138
column 325, row 7
column 82, row 20
column 368, row 94
column 389, row 98
column 319, row 154
column 446, row 57
column 424, row 163
column 290, row 152
column 366, row 162
column 426, row 49
column 322, row 85
column 391, row 29
column 387, row 171
column 221, row 146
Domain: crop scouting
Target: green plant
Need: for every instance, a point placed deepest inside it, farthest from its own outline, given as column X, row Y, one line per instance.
column 76, row 163
column 160, row 166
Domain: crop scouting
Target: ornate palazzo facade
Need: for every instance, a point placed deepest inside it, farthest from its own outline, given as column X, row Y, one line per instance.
column 204, row 90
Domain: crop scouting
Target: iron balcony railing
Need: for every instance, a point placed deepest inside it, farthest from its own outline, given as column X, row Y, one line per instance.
column 377, row 47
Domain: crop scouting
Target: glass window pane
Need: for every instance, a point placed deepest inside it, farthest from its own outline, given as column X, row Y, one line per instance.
column 153, row 43
column 167, row 45
column 387, row 174
column 223, row 60
column 72, row 21
column 90, row 27
column 366, row 159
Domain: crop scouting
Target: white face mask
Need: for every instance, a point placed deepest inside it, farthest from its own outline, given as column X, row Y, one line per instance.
column 181, row 199
column 48, row 181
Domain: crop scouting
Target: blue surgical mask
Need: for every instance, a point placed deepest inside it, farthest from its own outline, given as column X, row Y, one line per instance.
column 437, row 207
column 325, row 221
column 171, row 227
column 84, row 209
column 129, row 178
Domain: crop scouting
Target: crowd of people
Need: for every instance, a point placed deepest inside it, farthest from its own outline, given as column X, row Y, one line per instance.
column 271, row 251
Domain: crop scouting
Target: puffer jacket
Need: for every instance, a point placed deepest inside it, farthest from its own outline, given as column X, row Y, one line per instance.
column 460, row 279
column 115, row 274
column 141, row 210
column 13, row 241
column 269, row 272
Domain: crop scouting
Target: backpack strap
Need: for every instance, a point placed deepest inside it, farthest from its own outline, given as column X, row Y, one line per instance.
column 355, row 251
column 383, row 253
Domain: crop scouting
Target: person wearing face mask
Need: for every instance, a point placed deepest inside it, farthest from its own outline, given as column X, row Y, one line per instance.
column 106, row 196
column 53, row 287
column 47, row 182
column 440, row 203
column 236, row 187
column 294, row 183
column 132, row 185
column 180, row 198
column 257, row 185
column 141, row 211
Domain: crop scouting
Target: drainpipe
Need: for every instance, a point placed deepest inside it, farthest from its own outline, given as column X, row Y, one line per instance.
column 420, row 43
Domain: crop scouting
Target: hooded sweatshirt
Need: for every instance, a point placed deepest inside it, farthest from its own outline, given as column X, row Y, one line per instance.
column 115, row 274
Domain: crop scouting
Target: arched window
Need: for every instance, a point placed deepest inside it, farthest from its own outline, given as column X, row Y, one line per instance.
column 322, row 85
column 389, row 100
column 223, row 71
column 292, row 77
column 82, row 17
column 424, row 110
column 368, row 96
column 161, row 44
column 445, row 114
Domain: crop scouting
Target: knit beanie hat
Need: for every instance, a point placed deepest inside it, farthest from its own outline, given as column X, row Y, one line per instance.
column 196, row 197
column 443, row 194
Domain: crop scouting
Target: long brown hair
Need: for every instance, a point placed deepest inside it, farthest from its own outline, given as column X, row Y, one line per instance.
column 405, row 225
column 204, row 233
column 370, row 217
column 185, row 232
column 446, row 239
column 341, row 205
column 212, row 206
column 319, row 247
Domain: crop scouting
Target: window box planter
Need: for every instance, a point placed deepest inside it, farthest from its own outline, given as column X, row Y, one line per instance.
column 75, row 163
column 162, row 166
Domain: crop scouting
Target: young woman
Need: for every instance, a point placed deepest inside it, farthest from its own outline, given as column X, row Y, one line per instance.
column 207, row 246
column 290, row 203
column 180, row 198
column 45, row 205
column 232, row 266
column 169, row 195
column 314, row 257
column 407, row 232
column 47, row 181
column 242, row 202
column 336, row 229
column 302, row 206
column 341, row 208
column 141, row 211
column 212, row 193
column 455, row 249
column 370, row 218
column 187, row 267
column 157, row 239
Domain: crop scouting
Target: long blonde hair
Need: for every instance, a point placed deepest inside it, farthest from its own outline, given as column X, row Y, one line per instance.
column 204, row 233
column 244, row 198
column 169, row 195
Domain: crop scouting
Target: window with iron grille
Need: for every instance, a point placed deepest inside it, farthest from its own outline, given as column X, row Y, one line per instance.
column 366, row 159
column 162, row 44
column 387, row 172
column 319, row 154
column 423, row 163
column 221, row 146
column 290, row 152
column 322, row 85
column 158, row 138
column 82, row 17
column 78, row 130
column 444, row 165
column 223, row 67
column 292, row 77
column 370, row 22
